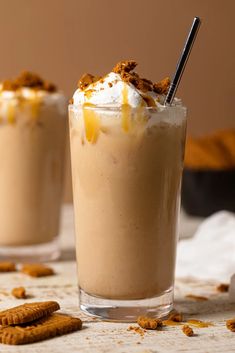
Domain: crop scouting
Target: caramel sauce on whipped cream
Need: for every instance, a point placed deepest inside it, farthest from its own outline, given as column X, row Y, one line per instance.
column 121, row 88
column 25, row 93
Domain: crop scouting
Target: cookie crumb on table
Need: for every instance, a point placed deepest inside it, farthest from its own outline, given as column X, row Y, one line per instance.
column 187, row 330
column 19, row 292
column 177, row 317
column 37, row 270
column 136, row 329
column 223, row 288
column 230, row 324
column 149, row 323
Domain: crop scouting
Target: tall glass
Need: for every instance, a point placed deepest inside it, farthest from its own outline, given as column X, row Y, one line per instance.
column 32, row 143
column 126, row 167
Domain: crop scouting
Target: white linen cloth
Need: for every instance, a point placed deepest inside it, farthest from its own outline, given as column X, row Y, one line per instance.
column 210, row 253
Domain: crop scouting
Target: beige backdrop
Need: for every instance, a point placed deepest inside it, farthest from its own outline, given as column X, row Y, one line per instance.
column 61, row 39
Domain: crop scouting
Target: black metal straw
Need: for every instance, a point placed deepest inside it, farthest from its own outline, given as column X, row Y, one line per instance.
column 183, row 60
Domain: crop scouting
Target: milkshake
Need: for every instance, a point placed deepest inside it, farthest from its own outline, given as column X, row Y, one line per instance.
column 32, row 142
column 127, row 159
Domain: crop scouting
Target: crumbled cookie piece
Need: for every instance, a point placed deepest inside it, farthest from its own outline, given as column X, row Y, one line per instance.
column 124, row 66
column 44, row 328
column 198, row 298
column 30, row 80
column 7, row 266
column 231, row 325
column 27, row 312
column 19, row 292
column 86, row 80
column 131, row 77
column 187, row 330
column 124, row 69
column 37, row 270
column 177, row 317
column 136, row 329
column 149, row 323
column 144, row 85
column 223, row 288
column 49, row 87
column 162, row 86
column 8, row 85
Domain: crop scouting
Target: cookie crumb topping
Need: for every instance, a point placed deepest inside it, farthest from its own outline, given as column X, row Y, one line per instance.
column 29, row 80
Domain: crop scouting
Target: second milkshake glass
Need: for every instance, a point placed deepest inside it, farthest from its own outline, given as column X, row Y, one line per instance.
column 126, row 165
column 32, row 140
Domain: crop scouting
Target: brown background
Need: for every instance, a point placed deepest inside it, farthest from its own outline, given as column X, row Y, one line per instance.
column 61, row 39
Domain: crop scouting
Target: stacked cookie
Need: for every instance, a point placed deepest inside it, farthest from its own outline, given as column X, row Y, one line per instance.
column 32, row 322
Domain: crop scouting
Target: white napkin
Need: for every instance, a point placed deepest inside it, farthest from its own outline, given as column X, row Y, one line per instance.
column 210, row 253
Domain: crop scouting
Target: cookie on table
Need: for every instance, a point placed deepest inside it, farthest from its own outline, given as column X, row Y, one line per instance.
column 7, row 266
column 27, row 312
column 44, row 328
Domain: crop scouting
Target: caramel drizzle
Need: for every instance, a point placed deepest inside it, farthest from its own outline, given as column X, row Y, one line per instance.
column 11, row 114
column 92, row 123
column 125, row 123
column 199, row 323
column 193, row 322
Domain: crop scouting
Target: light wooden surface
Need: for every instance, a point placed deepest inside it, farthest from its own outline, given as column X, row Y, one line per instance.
column 103, row 337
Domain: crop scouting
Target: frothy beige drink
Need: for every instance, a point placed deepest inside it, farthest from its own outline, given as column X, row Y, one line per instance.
column 32, row 138
column 127, row 161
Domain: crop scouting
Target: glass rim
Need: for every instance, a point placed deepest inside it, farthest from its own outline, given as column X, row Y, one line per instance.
column 119, row 108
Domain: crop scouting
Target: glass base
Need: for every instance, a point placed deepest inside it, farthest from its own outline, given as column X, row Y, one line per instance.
column 31, row 253
column 126, row 310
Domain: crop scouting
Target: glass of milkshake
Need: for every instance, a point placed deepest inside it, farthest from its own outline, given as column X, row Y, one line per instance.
column 32, row 143
column 127, row 153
